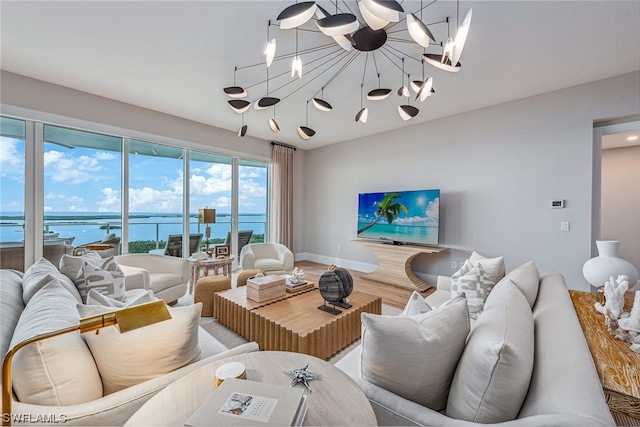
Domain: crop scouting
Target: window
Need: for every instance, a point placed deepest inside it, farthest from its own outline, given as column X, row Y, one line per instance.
column 82, row 190
column 252, row 199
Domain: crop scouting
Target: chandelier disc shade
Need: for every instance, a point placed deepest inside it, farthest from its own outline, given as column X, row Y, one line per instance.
column 235, row 92
column 407, row 112
column 436, row 61
column 296, row 14
column 321, row 104
column 418, row 31
column 424, row 40
column 266, row 102
column 338, row 25
column 306, row 132
column 239, row 105
column 378, row 94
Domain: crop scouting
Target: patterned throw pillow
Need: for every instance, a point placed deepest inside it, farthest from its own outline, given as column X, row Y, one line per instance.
column 475, row 284
column 96, row 298
column 107, row 279
column 416, row 305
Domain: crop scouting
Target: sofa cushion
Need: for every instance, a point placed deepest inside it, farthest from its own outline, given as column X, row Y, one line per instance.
column 268, row 264
column 475, row 284
column 39, row 274
column 11, row 305
column 70, row 266
column 47, row 372
column 415, row 357
column 107, row 278
column 527, row 279
column 416, row 305
column 493, row 267
column 161, row 281
column 139, row 355
column 492, row 378
column 132, row 298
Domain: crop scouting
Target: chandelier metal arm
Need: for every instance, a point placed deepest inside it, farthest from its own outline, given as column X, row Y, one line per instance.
column 344, row 67
column 312, row 79
column 402, row 54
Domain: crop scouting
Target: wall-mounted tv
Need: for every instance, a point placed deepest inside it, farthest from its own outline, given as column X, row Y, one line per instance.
column 400, row 217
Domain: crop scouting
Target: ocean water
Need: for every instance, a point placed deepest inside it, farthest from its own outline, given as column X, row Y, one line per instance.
column 427, row 235
column 91, row 227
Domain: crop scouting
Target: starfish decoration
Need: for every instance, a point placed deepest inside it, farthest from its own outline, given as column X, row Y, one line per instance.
column 302, row 376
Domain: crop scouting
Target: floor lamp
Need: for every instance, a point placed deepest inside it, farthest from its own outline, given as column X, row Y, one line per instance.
column 125, row 320
column 207, row 216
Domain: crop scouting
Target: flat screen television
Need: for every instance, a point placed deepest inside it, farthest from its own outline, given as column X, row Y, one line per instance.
column 400, row 217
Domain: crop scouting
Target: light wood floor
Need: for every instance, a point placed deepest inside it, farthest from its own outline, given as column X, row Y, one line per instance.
column 391, row 295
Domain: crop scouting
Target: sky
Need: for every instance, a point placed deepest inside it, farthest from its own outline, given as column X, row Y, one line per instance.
column 88, row 180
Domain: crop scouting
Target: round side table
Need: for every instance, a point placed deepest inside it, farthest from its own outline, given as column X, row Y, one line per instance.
column 336, row 399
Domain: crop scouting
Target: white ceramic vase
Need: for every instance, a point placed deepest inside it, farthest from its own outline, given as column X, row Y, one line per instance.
column 599, row 269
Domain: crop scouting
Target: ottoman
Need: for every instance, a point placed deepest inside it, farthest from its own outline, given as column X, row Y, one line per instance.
column 246, row 274
column 205, row 288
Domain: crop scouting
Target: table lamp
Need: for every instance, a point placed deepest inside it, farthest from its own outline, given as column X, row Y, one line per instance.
column 125, row 320
column 207, row 216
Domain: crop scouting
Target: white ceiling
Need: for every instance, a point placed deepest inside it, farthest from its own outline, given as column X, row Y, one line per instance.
column 177, row 56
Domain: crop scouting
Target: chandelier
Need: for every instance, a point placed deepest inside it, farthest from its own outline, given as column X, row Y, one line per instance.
column 382, row 33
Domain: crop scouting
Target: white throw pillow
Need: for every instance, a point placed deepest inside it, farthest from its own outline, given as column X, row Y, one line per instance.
column 107, row 278
column 476, row 285
column 416, row 305
column 493, row 267
column 415, row 357
column 70, row 266
column 493, row 376
column 127, row 359
column 39, row 274
column 58, row 371
column 527, row 279
column 96, row 298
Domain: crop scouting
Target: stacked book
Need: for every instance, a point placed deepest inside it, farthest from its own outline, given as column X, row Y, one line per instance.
column 248, row 403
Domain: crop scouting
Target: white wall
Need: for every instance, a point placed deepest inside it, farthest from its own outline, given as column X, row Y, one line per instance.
column 497, row 168
column 621, row 200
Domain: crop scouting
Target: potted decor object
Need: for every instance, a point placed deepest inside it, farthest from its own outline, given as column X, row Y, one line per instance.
column 608, row 264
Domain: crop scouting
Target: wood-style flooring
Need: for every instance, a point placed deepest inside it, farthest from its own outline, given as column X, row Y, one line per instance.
column 391, row 295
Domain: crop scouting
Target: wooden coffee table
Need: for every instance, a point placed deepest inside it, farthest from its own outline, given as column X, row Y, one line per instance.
column 293, row 322
column 336, row 400
column 232, row 308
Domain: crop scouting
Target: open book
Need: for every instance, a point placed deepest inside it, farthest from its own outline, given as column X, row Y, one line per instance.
column 249, row 403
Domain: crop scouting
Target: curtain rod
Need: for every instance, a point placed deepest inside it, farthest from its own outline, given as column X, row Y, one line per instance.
column 284, row 145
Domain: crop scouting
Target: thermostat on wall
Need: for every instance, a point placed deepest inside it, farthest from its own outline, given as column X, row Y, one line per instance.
column 557, row 204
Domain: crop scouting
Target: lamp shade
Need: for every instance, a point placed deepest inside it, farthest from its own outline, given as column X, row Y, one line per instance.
column 418, row 31
column 206, row 216
column 239, row 105
column 338, row 25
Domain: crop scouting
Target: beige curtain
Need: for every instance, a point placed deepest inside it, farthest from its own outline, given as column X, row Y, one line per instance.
column 282, row 196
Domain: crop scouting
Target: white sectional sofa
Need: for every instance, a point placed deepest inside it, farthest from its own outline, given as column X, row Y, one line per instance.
column 564, row 388
column 59, row 375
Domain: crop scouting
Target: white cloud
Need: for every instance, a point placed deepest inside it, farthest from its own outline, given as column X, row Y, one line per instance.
column 62, row 167
column 74, row 208
column 153, row 200
column 111, row 201
column 433, row 209
column 70, row 199
column 102, row 155
column 11, row 159
column 222, row 202
column 252, row 189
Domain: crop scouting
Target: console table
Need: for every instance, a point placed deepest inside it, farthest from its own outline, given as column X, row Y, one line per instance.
column 618, row 367
column 394, row 264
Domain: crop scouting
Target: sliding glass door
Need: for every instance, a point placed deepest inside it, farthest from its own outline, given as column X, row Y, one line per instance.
column 12, row 194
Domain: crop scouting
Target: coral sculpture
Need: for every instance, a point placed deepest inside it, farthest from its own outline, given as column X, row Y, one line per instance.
column 623, row 326
column 297, row 275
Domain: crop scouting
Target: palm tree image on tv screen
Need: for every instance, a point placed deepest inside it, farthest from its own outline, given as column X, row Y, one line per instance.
column 400, row 217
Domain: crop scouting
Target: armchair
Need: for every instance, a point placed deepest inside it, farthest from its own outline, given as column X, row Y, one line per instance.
column 272, row 258
column 166, row 276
